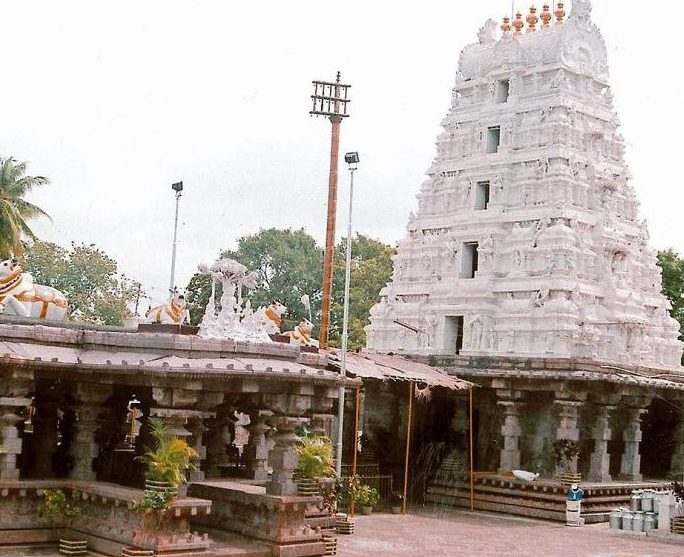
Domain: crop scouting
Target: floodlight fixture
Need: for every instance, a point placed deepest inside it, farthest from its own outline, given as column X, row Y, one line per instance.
column 351, row 158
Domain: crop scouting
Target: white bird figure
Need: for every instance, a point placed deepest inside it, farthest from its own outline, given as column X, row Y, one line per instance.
column 525, row 476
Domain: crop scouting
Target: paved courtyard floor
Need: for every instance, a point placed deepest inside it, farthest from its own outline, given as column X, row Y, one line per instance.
column 453, row 533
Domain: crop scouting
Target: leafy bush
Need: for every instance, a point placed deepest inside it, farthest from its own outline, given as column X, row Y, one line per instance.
column 346, row 489
column 315, row 457
column 57, row 504
column 367, row 496
column 154, row 501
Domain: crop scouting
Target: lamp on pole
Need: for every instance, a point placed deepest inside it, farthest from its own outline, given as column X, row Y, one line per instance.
column 330, row 100
column 352, row 159
column 178, row 188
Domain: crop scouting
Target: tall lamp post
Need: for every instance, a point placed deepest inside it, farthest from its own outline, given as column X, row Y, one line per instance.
column 178, row 188
column 330, row 100
column 352, row 159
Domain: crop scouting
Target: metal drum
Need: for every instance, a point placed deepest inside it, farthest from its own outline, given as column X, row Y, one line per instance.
column 635, row 501
column 627, row 520
column 615, row 519
column 649, row 522
column 638, row 522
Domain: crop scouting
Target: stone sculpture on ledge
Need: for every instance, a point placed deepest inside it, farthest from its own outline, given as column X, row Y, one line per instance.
column 21, row 297
column 234, row 318
column 175, row 312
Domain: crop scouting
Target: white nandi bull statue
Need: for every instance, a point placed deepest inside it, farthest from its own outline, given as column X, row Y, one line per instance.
column 175, row 312
column 21, row 297
column 271, row 317
column 302, row 334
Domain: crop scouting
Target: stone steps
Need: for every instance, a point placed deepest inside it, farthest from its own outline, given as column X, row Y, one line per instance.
column 543, row 499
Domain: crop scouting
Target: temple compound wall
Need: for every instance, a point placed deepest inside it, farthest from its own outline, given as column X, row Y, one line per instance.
column 526, row 268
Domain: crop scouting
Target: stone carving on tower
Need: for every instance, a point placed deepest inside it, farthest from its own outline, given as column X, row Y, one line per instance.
column 527, row 241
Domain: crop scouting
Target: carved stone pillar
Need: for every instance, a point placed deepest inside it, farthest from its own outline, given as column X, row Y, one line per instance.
column 321, row 424
column 10, row 416
column 601, row 433
column 256, row 450
column 511, row 432
column 677, row 461
column 568, row 411
column 46, row 437
column 195, row 425
column 283, row 458
column 84, row 447
column 218, row 437
column 630, row 466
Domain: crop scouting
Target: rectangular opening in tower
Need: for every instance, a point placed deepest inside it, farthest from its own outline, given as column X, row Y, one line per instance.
column 469, row 259
column 493, row 139
column 502, row 91
column 453, row 334
column 482, row 196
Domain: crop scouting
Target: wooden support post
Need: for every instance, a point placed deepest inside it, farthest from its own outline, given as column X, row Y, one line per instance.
column 408, row 446
column 470, row 448
column 356, row 444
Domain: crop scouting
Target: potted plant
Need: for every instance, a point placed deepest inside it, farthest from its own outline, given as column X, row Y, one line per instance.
column 396, row 501
column 367, row 497
column 63, row 508
column 315, row 463
column 166, row 465
column 565, row 452
column 168, row 461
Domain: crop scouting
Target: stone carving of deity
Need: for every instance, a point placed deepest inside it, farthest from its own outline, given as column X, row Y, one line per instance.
column 560, row 81
column 536, row 82
column 485, row 252
column 475, row 328
column 539, row 298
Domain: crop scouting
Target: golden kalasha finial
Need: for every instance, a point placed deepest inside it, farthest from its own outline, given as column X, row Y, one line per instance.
column 546, row 16
column 506, row 25
column 559, row 13
column 518, row 23
column 532, row 20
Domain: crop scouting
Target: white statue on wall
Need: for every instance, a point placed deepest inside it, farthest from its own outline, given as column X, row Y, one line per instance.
column 235, row 318
column 174, row 312
column 21, row 297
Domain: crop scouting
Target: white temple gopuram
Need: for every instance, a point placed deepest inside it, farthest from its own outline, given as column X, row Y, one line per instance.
column 527, row 240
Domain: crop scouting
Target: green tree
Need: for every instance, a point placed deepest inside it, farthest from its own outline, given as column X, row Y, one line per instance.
column 370, row 270
column 14, row 209
column 87, row 276
column 289, row 264
column 672, row 265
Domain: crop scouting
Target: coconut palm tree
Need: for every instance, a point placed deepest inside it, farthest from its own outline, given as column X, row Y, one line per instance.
column 14, row 209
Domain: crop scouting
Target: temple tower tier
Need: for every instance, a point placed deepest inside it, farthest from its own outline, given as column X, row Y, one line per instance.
column 527, row 241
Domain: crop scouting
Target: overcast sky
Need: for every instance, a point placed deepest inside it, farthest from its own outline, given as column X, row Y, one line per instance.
column 115, row 101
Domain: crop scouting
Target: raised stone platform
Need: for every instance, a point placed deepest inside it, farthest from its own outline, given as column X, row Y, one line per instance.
column 246, row 508
column 543, row 498
column 107, row 520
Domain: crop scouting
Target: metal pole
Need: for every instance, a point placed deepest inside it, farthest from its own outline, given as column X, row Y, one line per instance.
column 175, row 243
column 345, row 331
column 408, row 446
column 356, row 444
column 470, row 428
